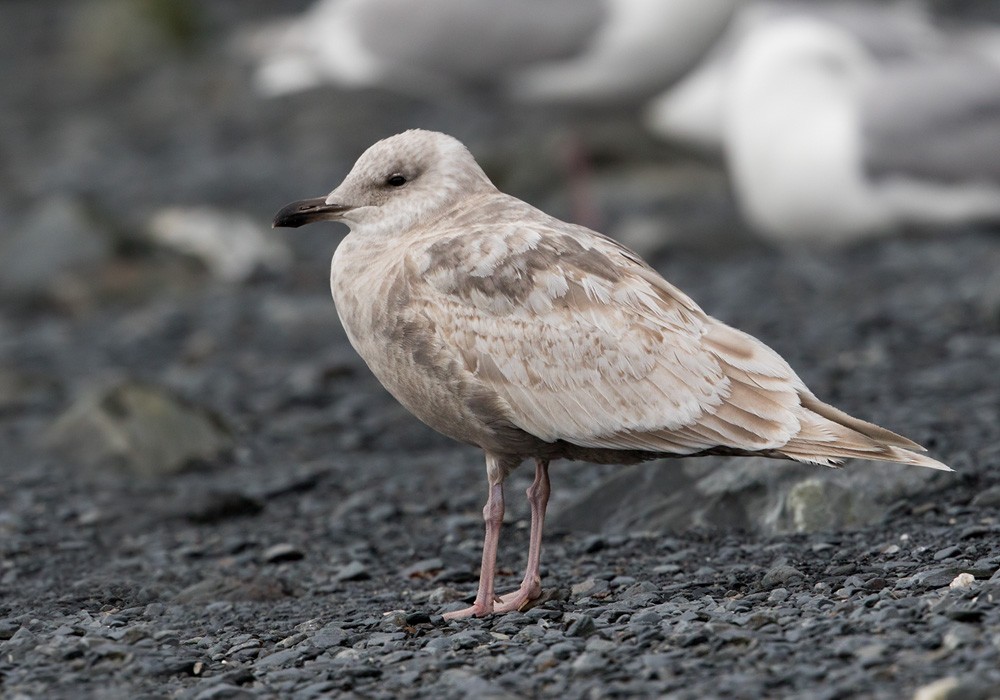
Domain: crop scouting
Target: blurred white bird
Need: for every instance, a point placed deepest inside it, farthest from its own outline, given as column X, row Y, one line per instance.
column 822, row 141
column 829, row 135
column 544, row 51
column 691, row 111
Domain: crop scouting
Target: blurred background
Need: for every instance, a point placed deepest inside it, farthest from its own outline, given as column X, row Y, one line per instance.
column 825, row 175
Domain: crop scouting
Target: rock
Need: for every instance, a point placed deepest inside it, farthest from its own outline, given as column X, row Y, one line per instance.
column 282, row 552
column 232, row 246
column 818, row 505
column 227, row 588
column 748, row 493
column 139, row 429
column 780, row 574
column 947, row 553
column 463, row 683
column 952, row 688
column 224, row 691
column 423, row 569
column 58, row 237
column 282, row 657
column 931, row 578
column 990, row 498
column 584, row 626
column 332, row 635
column 353, row 571
column 589, row 662
column 216, row 506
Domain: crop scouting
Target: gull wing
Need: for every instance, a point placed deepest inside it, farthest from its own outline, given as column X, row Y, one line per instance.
column 583, row 342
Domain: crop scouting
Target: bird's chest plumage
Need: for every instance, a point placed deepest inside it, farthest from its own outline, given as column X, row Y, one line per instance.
column 373, row 290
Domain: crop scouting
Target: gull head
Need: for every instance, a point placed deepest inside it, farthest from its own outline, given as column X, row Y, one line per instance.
column 398, row 183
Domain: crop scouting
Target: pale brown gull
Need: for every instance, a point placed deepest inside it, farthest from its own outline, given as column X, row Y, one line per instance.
column 513, row 331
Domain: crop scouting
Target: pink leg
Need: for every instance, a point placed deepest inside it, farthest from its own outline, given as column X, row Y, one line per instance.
column 531, row 586
column 493, row 515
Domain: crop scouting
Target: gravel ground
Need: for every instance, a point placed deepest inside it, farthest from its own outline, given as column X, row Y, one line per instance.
column 310, row 550
column 318, row 558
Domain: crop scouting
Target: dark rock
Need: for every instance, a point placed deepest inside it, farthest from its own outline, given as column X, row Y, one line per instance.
column 260, row 589
column 225, row 691
column 947, row 553
column 583, row 626
column 216, row 506
column 282, row 657
column 352, row 571
column 329, row 636
column 990, row 498
column 776, row 576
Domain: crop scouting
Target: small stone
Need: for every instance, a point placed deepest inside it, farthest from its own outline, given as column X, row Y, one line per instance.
column 216, row 506
column 423, row 569
column 331, row 635
column 589, row 662
column 282, row 552
column 963, row 580
column 225, row 691
column 938, row 690
column 934, row 578
column 278, row 658
column 352, row 571
column 583, row 627
column 778, row 595
column 588, row 587
column 990, row 498
column 947, row 553
column 780, row 574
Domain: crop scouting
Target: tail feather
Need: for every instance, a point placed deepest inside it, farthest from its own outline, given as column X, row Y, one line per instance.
column 828, row 436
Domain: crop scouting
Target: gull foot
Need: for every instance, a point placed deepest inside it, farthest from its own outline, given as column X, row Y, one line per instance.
column 520, row 599
column 475, row 610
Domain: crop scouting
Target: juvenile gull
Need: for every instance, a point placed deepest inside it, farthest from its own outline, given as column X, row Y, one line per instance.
column 508, row 329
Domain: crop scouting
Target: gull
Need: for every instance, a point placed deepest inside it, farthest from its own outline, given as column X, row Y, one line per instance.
column 825, row 139
column 692, row 111
column 534, row 51
column 822, row 141
column 531, row 338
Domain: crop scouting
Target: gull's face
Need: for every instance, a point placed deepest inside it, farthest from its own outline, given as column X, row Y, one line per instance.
column 396, row 183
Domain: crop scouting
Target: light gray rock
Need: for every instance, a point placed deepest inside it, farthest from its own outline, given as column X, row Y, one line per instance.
column 139, row 429
column 755, row 494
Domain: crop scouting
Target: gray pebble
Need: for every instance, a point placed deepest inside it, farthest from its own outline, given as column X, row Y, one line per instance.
column 282, row 552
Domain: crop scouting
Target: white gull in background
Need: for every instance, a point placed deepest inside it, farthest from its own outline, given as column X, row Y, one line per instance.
column 505, row 328
column 531, row 50
column 823, row 141
column 825, row 137
column 691, row 112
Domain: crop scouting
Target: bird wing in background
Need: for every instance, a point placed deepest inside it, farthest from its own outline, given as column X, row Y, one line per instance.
column 480, row 41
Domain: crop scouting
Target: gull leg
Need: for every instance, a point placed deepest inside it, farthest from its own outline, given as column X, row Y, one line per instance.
column 531, row 586
column 493, row 516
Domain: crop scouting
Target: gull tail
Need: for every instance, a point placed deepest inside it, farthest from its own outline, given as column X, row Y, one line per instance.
column 828, row 436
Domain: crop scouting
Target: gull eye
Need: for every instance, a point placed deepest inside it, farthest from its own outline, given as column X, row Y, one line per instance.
column 395, row 180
